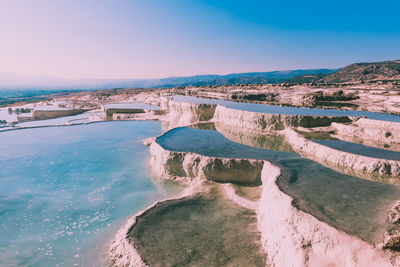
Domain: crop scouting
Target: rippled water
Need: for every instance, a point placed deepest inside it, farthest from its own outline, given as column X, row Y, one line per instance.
column 64, row 191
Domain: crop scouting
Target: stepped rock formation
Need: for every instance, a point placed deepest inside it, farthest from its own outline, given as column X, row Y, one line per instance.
column 374, row 130
column 265, row 122
column 187, row 166
column 290, row 236
column 352, row 164
column 182, row 113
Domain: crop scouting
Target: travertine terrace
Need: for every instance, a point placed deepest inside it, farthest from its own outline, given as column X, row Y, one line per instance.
column 303, row 240
column 289, row 236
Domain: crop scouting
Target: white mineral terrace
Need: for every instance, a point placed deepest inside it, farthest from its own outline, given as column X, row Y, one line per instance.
column 290, row 237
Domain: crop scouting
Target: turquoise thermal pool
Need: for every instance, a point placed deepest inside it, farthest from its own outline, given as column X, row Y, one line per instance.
column 64, row 191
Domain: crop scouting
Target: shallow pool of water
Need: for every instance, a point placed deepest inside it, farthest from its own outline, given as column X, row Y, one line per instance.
column 360, row 149
column 64, row 191
column 265, row 108
column 199, row 231
column 351, row 204
column 214, row 144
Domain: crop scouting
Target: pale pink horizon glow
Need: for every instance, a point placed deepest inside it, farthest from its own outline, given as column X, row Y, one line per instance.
column 152, row 39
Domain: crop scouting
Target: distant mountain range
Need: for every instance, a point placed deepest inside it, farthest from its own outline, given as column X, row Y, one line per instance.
column 13, row 81
column 386, row 70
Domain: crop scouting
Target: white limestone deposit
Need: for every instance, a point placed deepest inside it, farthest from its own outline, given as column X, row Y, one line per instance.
column 183, row 113
column 188, row 166
column 293, row 238
column 290, row 237
column 341, row 160
column 367, row 129
column 266, row 122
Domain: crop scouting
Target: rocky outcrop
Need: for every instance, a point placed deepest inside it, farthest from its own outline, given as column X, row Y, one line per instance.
column 187, row 166
column 391, row 240
column 266, row 122
column 352, row 164
column 394, row 213
column 293, row 238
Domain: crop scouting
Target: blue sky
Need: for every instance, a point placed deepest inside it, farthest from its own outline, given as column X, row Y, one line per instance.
column 149, row 38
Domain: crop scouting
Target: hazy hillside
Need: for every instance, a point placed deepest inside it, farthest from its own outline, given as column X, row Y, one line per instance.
column 16, row 81
column 308, row 78
column 254, row 78
column 386, row 70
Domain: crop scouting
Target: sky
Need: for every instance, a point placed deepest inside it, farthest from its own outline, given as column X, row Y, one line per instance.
column 127, row 39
